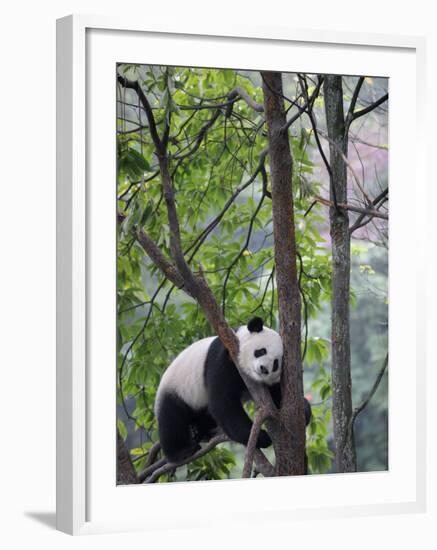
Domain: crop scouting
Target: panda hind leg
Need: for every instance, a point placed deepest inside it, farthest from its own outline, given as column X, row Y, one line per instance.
column 204, row 425
column 175, row 419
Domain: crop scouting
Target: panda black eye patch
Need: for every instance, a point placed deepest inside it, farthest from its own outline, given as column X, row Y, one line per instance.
column 260, row 352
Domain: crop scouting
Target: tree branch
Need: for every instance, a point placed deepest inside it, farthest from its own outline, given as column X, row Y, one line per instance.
column 239, row 92
column 164, row 467
column 153, row 453
column 158, row 258
column 366, row 110
column 200, row 137
column 372, row 392
column 200, row 239
column 316, row 131
column 260, row 417
column 354, row 101
column 306, row 107
column 134, row 85
column 381, row 198
column 365, row 211
column 349, row 165
column 240, row 253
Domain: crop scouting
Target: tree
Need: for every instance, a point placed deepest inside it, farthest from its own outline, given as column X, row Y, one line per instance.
column 339, row 227
column 338, row 128
column 289, row 435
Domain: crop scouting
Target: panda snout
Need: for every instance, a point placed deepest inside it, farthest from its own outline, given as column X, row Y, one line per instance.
column 264, row 370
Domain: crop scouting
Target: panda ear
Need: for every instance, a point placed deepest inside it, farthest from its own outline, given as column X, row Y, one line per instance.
column 255, row 324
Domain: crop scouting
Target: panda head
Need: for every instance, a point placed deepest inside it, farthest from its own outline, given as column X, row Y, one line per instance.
column 261, row 350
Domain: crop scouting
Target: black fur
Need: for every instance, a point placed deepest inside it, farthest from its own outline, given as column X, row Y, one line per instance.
column 181, row 428
column 260, row 352
column 225, row 389
column 255, row 325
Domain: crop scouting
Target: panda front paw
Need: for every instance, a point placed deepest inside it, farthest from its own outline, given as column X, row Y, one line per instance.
column 264, row 440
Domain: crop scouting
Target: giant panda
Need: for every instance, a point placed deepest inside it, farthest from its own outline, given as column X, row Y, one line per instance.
column 202, row 390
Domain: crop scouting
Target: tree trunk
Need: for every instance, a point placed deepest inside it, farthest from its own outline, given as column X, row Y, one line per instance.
column 288, row 435
column 126, row 474
column 345, row 455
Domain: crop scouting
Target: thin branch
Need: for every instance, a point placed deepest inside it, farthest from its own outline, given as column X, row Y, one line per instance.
column 151, row 468
column 310, row 113
column 166, row 467
column 239, row 92
column 304, row 88
column 366, row 401
column 241, row 252
column 200, row 137
column 158, row 258
column 306, row 107
column 260, row 416
column 381, row 198
column 203, row 106
column 368, row 109
column 133, row 131
column 365, row 211
column 135, row 85
column 213, row 224
column 356, row 139
column 305, row 303
column 349, row 165
column 153, row 453
column 354, row 100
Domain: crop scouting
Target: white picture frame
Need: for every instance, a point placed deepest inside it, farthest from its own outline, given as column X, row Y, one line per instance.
column 85, row 502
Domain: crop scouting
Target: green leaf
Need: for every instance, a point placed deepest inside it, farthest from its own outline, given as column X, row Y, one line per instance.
column 121, row 428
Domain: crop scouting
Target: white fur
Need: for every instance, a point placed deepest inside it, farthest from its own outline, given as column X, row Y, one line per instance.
column 185, row 377
column 251, row 341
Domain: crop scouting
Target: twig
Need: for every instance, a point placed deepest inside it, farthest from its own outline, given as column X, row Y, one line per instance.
column 200, row 137
column 150, row 469
column 306, row 107
column 153, row 453
column 241, row 252
column 353, row 102
column 369, row 108
column 366, row 211
column 166, row 467
column 360, row 408
column 260, row 416
column 378, row 379
column 239, row 92
column 349, row 165
column 210, row 227
column 377, row 201
column 135, row 85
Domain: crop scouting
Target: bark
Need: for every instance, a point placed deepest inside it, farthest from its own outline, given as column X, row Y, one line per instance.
column 345, row 455
column 288, row 435
column 126, row 474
